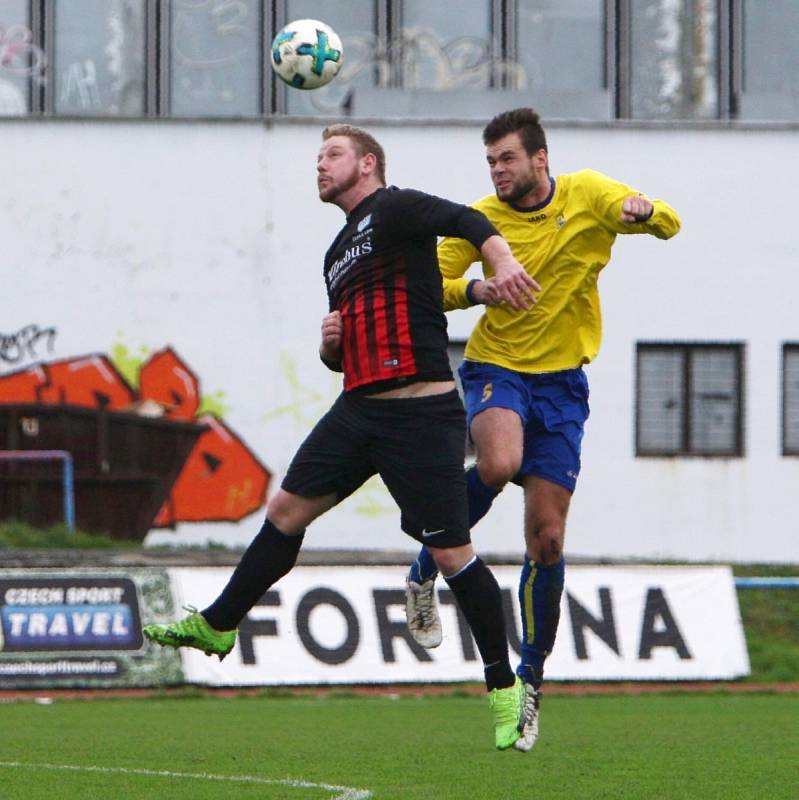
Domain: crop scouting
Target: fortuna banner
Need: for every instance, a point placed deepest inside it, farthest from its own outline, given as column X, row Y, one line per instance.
column 334, row 625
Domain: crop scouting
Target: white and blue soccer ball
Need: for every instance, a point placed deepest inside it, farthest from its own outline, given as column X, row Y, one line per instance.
column 307, row 54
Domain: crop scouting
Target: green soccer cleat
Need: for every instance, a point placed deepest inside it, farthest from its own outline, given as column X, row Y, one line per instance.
column 194, row 632
column 507, row 706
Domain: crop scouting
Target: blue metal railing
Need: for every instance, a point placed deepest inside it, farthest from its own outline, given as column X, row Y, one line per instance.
column 767, row 583
column 67, row 474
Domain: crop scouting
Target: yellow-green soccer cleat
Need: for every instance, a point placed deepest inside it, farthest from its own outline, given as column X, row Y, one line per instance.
column 194, row 632
column 507, row 706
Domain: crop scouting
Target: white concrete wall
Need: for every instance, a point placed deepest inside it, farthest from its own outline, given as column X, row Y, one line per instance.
column 210, row 237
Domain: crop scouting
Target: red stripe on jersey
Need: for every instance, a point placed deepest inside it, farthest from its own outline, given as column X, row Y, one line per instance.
column 377, row 344
column 361, row 323
column 349, row 356
column 381, row 333
column 407, row 364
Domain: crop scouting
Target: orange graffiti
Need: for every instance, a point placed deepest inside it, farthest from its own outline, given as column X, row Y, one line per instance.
column 169, row 382
column 92, row 381
column 221, row 480
column 22, row 387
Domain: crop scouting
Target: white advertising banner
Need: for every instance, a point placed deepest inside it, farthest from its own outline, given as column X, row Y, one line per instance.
column 330, row 625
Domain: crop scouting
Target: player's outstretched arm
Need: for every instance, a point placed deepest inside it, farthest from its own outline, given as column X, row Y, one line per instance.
column 624, row 209
column 636, row 208
column 511, row 281
column 651, row 216
column 455, row 256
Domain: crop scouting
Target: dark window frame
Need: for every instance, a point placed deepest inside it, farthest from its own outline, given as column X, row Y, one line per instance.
column 787, row 348
column 687, row 349
column 618, row 65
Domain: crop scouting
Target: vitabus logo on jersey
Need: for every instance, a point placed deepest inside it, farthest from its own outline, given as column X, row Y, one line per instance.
column 360, row 245
column 341, row 266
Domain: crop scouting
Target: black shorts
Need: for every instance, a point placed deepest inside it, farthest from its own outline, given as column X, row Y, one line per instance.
column 416, row 445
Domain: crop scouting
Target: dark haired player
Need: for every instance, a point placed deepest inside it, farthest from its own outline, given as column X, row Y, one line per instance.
column 526, row 394
column 399, row 415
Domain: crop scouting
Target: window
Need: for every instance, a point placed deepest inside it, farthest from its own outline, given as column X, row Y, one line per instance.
column 674, row 59
column 99, row 58
column 418, row 60
column 444, row 61
column 689, row 399
column 548, row 35
column 790, row 399
column 444, row 52
column 770, row 80
column 569, row 59
column 20, row 58
column 365, row 60
column 215, row 59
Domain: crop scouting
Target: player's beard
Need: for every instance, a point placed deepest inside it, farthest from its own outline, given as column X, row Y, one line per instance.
column 334, row 190
column 518, row 190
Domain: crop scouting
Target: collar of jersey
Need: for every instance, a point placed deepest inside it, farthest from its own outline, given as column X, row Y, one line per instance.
column 363, row 202
column 537, row 206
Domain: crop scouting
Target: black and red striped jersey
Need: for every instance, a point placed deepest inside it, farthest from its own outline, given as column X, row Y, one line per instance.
column 382, row 274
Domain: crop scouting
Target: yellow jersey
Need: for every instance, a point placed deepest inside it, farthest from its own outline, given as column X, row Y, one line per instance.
column 563, row 243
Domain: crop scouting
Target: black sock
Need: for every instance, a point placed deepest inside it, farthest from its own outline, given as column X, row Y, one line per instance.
column 478, row 595
column 269, row 557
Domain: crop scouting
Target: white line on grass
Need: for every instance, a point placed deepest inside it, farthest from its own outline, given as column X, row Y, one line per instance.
column 343, row 792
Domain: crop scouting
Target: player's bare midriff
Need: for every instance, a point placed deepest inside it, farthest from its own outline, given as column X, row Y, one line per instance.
column 419, row 389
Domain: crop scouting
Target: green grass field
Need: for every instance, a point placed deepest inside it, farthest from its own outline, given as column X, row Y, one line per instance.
column 711, row 745
column 645, row 747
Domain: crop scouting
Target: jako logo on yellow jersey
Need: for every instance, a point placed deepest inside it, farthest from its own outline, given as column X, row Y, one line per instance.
column 488, row 390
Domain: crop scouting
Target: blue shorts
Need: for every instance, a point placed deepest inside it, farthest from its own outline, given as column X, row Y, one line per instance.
column 553, row 407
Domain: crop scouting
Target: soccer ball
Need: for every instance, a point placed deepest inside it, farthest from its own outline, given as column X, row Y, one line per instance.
column 306, row 54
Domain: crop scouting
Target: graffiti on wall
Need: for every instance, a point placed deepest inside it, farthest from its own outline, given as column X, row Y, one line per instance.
column 21, row 61
column 26, row 344
column 305, row 404
column 418, row 58
column 221, row 478
column 19, row 55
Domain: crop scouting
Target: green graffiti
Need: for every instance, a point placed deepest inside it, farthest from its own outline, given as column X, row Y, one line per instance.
column 306, row 405
column 373, row 499
column 214, row 404
column 129, row 363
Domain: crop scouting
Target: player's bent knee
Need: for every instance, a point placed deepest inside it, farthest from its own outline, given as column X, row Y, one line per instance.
column 545, row 545
column 548, row 551
column 497, row 474
column 291, row 513
column 552, row 552
column 451, row 559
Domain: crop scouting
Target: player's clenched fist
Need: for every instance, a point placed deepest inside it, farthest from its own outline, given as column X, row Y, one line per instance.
column 636, row 208
column 332, row 331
